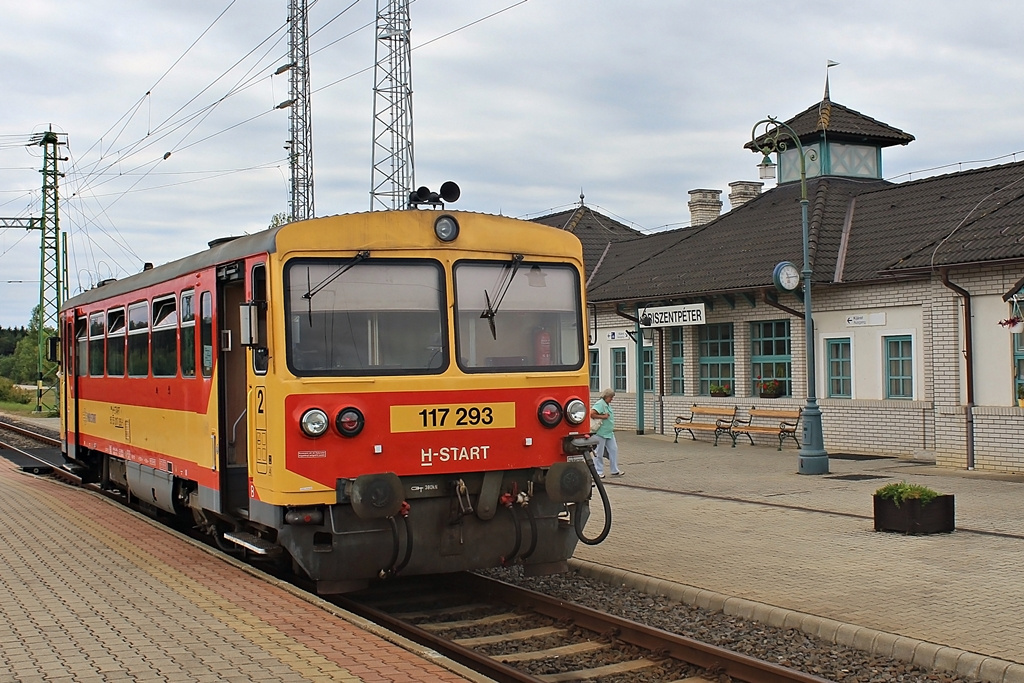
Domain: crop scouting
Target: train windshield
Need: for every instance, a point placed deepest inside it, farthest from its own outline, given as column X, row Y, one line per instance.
column 515, row 315
column 358, row 316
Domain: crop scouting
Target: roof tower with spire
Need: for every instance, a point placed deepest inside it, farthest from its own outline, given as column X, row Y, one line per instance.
column 838, row 141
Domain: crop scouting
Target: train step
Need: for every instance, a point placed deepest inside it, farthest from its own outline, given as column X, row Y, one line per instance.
column 260, row 546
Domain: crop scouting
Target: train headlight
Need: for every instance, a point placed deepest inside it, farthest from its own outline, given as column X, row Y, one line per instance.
column 350, row 421
column 314, row 422
column 549, row 413
column 575, row 411
column 446, row 228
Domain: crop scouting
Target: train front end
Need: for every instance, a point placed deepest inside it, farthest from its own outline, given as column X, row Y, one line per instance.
column 432, row 391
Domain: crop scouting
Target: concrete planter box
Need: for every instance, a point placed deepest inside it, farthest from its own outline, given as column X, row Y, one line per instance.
column 911, row 517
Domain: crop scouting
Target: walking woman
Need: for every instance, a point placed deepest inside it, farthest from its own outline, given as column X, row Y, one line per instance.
column 606, row 445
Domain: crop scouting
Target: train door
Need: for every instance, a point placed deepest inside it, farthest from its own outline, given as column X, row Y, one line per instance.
column 234, row 477
column 69, row 406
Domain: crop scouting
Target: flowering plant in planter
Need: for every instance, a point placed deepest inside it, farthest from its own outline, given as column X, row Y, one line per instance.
column 720, row 389
column 769, row 387
column 1014, row 321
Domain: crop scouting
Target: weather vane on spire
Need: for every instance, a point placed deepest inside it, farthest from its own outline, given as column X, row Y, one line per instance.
column 825, row 108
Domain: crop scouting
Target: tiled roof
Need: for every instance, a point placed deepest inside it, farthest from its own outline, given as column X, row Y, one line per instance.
column 594, row 230
column 860, row 231
column 972, row 216
column 844, row 124
column 736, row 252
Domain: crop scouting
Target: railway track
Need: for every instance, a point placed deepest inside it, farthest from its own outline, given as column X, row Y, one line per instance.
column 516, row 635
column 19, row 439
column 509, row 633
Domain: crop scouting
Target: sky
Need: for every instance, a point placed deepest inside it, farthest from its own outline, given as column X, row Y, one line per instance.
column 173, row 138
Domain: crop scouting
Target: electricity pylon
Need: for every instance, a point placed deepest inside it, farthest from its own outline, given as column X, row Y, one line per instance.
column 53, row 276
column 393, row 172
column 301, row 144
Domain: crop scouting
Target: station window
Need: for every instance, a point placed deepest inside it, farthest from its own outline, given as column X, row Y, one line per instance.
column 676, row 350
column 899, row 367
column 96, row 329
column 188, row 335
column 648, row 373
column 115, row 342
column 840, row 368
column 1018, row 363
column 619, row 369
column 138, row 339
column 770, row 355
column 165, row 337
column 717, row 356
column 595, row 369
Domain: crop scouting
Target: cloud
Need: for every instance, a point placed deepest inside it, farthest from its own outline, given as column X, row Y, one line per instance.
column 634, row 103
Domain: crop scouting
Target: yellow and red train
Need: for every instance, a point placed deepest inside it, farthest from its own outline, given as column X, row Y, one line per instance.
column 362, row 394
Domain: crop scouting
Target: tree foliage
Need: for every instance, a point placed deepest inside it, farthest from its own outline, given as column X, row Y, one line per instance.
column 9, row 338
column 19, row 352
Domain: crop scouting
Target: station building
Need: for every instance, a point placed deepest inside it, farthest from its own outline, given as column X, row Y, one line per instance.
column 910, row 283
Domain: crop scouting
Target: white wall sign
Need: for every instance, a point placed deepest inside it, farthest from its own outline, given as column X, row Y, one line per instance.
column 868, row 320
column 623, row 335
column 673, row 316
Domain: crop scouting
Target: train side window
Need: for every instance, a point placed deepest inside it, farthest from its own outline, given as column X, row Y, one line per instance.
column 188, row 335
column 206, row 332
column 115, row 342
column 165, row 337
column 97, row 326
column 261, row 350
column 82, row 352
column 138, row 339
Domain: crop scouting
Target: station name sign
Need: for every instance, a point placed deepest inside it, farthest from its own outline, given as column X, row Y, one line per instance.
column 673, row 316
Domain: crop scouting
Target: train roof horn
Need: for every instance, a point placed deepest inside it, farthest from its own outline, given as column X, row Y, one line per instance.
column 449, row 192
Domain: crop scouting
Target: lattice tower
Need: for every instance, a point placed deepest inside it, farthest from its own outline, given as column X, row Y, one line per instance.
column 301, row 144
column 393, row 171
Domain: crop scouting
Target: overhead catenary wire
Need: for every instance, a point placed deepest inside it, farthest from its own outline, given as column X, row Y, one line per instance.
column 113, row 157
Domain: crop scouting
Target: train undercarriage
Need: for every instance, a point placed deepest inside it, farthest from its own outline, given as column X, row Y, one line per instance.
column 382, row 525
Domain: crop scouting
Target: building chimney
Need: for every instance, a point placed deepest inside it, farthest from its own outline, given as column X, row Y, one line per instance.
column 742, row 191
column 705, row 206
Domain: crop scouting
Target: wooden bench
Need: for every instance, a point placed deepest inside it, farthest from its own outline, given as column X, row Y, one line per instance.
column 775, row 421
column 717, row 419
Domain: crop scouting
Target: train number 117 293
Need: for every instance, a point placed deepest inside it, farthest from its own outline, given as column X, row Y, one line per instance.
column 462, row 416
column 453, row 416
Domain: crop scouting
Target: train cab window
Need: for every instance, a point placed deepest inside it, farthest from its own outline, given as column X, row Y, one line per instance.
column 115, row 342
column 97, row 326
column 350, row 316
column 206, row 332
column 188, row 335
column 514, row 315
column 261, row 351
column 82, row 343
column 165, row 337
column 138, row 339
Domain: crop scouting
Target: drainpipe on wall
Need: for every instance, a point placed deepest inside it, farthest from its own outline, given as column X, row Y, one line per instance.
column 969, row 360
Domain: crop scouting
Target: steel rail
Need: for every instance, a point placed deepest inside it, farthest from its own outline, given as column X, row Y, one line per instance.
column 739, row 666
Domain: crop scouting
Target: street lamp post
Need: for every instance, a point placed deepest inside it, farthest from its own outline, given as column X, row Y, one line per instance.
column 812, row 459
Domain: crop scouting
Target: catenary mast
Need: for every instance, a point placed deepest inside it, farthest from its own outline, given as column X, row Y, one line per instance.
column 301, row 144
column 393, row 172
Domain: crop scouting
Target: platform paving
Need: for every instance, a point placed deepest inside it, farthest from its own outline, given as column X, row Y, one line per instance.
column 738, row 529
column 92, row 592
